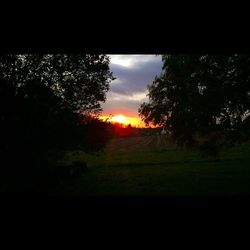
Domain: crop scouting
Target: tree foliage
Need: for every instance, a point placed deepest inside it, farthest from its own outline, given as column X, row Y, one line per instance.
column 43, row 102
column 201, row 96
column 80, row 81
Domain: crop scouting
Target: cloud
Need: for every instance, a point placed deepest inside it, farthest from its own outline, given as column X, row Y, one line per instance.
column 133, row 74
column 131, row 60
column 135, row 78
column 111, row 96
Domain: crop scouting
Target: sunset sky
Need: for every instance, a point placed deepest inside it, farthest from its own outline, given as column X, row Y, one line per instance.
column 133, row 73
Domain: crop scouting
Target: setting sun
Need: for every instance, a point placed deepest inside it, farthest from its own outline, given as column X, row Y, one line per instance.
column 119, row 118
column 123, row 119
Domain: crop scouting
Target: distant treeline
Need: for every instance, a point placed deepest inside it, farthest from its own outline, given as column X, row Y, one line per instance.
column 120, row 130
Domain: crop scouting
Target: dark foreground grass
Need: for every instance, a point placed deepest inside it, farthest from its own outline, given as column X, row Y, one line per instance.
column 165, row 171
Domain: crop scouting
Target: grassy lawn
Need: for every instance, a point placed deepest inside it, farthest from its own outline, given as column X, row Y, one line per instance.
column 133, row 166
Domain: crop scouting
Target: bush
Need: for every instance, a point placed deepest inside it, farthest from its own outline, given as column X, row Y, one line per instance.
column 36, row 130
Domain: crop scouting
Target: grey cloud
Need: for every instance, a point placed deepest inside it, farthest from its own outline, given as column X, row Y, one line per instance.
column 134, row 79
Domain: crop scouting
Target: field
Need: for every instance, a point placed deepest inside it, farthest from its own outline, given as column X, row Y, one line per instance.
column 151, row 166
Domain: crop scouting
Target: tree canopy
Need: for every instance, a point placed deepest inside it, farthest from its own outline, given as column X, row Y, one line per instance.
column 46, row 103
column 200, row 96
column 80, row 80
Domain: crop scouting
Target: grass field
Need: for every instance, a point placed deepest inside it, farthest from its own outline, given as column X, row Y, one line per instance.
column 150, row 166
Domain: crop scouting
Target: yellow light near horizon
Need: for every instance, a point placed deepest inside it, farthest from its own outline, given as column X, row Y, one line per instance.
column 132, row 120
column 119, row 118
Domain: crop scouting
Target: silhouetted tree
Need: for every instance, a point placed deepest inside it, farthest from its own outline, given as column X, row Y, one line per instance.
column 81, row 81
column 43, row 101
column 200, row 96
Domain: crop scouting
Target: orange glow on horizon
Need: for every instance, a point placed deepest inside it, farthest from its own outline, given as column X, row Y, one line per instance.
column 134, row 121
